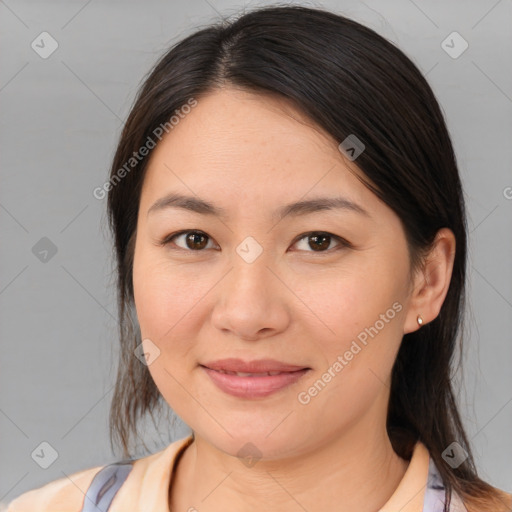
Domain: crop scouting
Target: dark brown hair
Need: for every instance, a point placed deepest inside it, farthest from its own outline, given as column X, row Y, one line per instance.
column 348, row 80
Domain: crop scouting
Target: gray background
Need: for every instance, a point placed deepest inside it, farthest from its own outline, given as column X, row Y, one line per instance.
column 60, row 120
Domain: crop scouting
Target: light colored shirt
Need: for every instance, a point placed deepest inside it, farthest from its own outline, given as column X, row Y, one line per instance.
column 147, row 487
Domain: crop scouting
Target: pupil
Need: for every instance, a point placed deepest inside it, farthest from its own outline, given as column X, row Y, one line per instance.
column 323, row 245
column 193, row 238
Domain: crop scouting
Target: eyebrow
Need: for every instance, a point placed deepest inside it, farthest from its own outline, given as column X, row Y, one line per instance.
column 195, row 204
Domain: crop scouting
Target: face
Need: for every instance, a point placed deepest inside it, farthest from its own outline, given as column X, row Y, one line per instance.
column 323, row 289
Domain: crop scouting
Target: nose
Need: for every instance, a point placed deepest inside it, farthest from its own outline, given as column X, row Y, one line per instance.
column 251, row 301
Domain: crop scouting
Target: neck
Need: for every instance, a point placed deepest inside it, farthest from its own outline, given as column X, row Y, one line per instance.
column 355, row 471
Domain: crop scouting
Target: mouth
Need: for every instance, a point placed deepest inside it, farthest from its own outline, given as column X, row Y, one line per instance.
column 252, row 384
column 254, row 367
column 249, row 374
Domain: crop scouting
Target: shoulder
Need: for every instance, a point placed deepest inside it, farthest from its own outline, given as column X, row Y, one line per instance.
column 506, row 499
column 501, row 501
column 148, row 477
column 60, row 495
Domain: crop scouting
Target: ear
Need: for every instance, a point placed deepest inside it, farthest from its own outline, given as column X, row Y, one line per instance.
column 432, row 281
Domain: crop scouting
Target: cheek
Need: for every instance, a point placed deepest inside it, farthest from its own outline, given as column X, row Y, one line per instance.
column 360, row 316
column 345, row 303
column 167, row 305
column 167, row 300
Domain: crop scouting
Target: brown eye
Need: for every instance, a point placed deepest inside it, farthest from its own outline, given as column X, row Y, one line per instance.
column 194, row 240
column 317, row 241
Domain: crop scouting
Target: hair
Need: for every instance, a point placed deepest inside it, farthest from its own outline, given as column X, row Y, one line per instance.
column 348, row 80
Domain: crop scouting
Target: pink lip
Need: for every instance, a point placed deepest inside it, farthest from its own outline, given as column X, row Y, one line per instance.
column 258, row 386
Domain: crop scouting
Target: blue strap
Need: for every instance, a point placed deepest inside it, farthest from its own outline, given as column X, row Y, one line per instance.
column 436, row 493
column 105, row 485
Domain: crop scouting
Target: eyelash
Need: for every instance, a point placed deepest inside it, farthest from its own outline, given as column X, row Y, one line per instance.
column 342, row 242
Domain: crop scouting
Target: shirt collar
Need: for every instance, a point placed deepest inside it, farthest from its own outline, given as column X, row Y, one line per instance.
column 420, row 490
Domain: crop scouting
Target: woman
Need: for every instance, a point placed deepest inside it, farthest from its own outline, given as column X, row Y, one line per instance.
column 290, row 236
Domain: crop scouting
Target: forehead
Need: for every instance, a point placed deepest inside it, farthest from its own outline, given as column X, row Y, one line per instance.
column 236, row 123
column 249, row 147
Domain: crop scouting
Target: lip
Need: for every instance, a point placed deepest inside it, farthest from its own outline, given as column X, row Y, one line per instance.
column 258, row 386
column 256, row 366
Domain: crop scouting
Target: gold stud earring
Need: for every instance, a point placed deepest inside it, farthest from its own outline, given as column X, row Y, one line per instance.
column 420, row 320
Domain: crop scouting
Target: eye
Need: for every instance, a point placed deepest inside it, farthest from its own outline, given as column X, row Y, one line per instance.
column 320, row 240
column 195, row 240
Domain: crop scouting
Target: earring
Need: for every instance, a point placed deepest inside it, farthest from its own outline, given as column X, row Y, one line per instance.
column 420, row 320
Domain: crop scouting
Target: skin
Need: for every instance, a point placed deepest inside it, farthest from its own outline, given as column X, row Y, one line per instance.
column 250, row 154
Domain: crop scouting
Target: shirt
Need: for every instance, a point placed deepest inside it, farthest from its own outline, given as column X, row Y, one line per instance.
column 146, row 487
